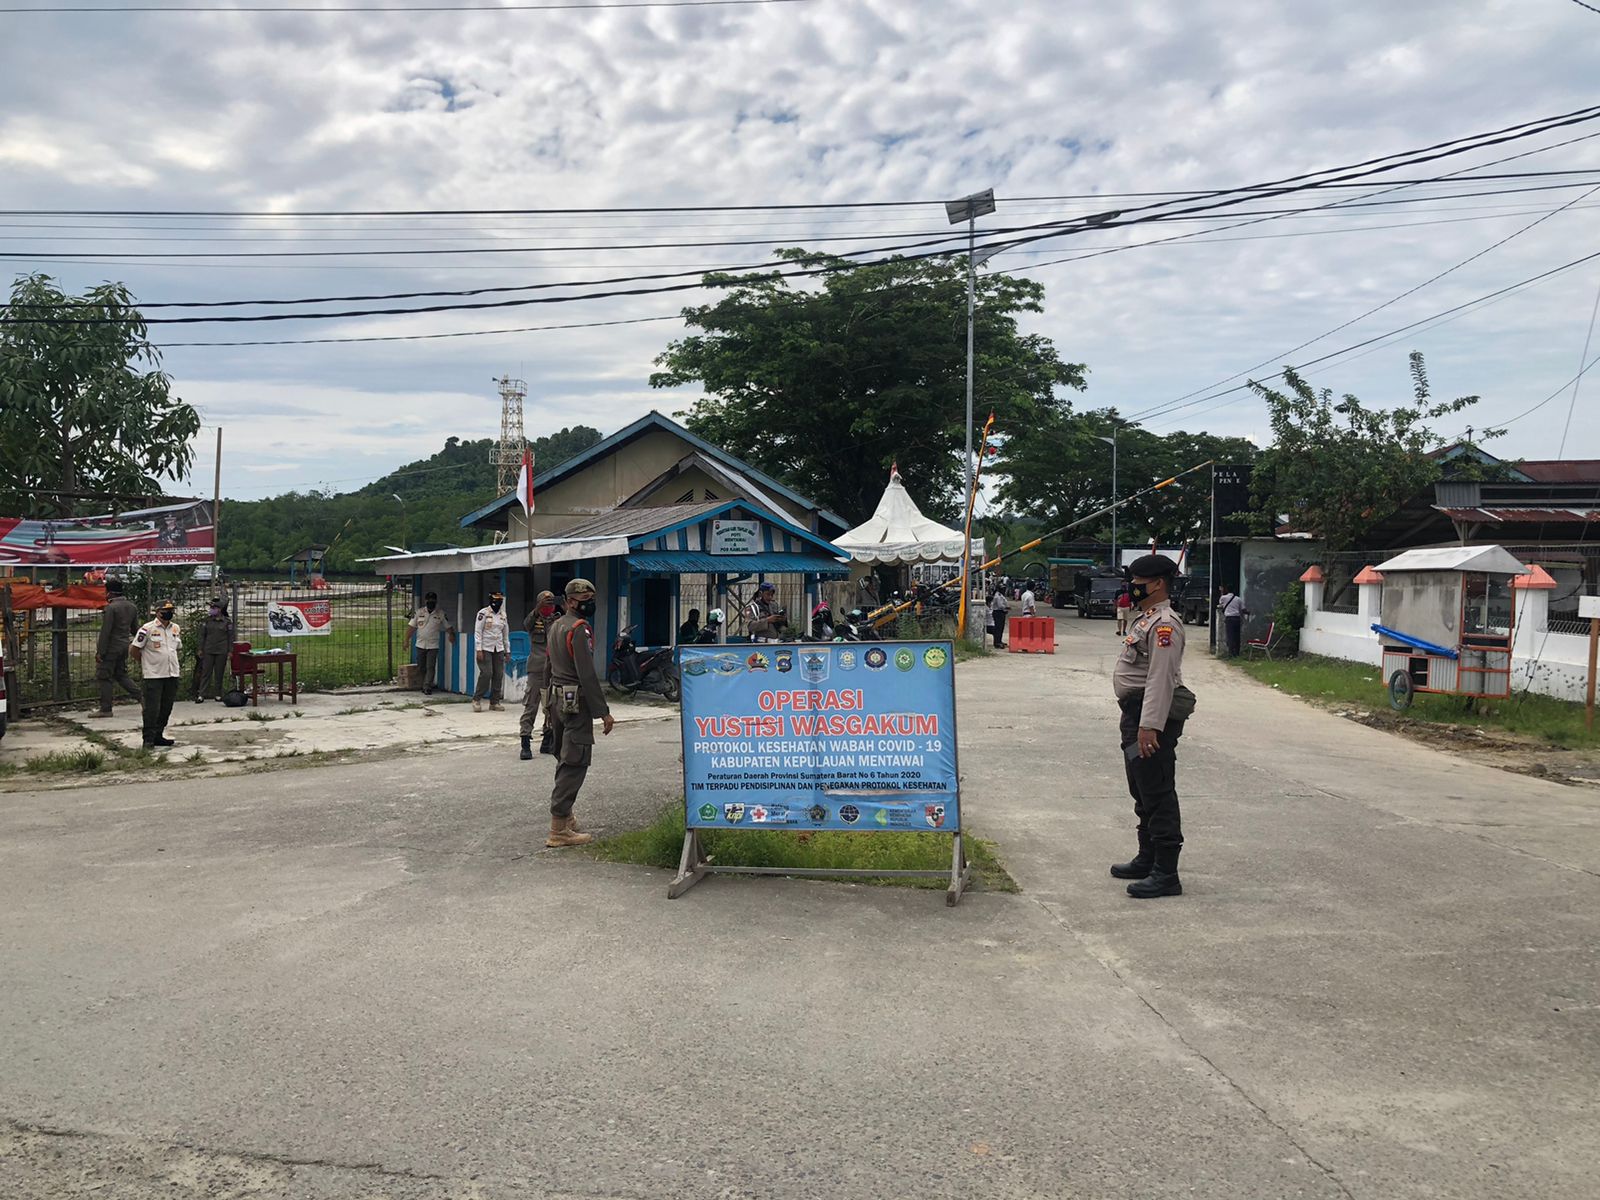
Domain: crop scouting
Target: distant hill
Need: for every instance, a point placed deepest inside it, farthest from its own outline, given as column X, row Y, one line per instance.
column 438, row 491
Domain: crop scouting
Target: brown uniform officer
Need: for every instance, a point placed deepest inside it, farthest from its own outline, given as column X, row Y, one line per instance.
column 576, row 699
column 538, row 621
column 1148, row 682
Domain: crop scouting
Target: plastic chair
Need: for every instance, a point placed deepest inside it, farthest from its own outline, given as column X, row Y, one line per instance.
column 1264, row 644
column 521, row 648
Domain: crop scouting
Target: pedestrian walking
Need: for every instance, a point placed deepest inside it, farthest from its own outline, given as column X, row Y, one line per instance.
column 117, row 625
column 1148, row 682
column 540, row 617
column 213, row 646
column 1232, row 609
column 426, row 630
column 491, row 635
column 157, row 644
column 577, row 698
column 1124, row 608
column 999, row 608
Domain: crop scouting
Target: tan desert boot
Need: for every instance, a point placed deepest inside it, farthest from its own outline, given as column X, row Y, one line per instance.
column 561, row 836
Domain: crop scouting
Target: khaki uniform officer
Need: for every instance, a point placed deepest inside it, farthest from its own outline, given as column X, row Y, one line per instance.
column 538, row 621
column 157, row 644
column 1148, row 680
column 576, row 699
column 492, row 635
column 427, row 629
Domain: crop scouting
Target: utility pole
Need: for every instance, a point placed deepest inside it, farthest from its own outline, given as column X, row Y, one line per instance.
column 969, row 209
column 216, row 514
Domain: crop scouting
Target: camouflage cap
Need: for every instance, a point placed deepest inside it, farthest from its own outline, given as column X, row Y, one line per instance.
column 579, row 587
column 544, row 596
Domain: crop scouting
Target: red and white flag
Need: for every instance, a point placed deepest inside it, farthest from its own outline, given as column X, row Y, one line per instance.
column 525, row 482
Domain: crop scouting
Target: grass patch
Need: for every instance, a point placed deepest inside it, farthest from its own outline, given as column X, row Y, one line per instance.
column 66, row 762
column 661, row 843
column 967, row 649
column 1557, row 722
column 255, row 714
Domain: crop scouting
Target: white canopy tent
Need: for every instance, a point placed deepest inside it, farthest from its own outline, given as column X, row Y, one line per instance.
column 897, row 533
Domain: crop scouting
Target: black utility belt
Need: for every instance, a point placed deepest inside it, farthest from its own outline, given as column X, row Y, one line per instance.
column 1183, row 702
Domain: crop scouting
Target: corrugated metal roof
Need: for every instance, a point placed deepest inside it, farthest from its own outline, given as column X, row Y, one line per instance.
column 1562, row 470
column 1523, row 516
column 693, row 562
column 1495, row 560
column 636, row 522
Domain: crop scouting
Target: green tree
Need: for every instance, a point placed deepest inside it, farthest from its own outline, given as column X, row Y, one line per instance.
column 1337, row 467
column 84, row 407
column 826, row 388
column 1059, row 471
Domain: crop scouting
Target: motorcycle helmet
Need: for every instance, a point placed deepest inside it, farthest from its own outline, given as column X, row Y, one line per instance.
column 714, row 617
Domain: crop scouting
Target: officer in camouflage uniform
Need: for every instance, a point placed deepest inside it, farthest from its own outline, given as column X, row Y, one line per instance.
column 1147, row 680
column 538, row 621
column 576, row 699
column 117, row 625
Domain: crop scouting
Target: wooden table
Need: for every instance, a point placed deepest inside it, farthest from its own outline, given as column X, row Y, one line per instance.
column 258, row 663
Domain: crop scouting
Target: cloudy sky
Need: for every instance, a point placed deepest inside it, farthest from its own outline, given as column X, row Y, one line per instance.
column 841, row 102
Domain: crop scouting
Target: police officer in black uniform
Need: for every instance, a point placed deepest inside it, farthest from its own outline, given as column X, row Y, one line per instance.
column 1148, row 682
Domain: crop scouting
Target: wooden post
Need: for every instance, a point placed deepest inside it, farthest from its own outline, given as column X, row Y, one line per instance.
column 1594, row 651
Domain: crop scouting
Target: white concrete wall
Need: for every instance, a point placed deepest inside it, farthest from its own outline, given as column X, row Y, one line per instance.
column 1548, row 664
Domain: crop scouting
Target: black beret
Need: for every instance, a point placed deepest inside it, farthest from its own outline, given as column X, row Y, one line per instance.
column 1152, row 566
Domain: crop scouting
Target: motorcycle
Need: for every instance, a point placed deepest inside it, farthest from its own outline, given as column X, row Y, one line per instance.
column 631, row 671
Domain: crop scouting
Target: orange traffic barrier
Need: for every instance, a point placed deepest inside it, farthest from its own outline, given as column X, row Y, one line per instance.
column 1031, row 635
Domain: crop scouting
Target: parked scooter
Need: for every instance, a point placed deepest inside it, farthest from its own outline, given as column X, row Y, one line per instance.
column 631, row 671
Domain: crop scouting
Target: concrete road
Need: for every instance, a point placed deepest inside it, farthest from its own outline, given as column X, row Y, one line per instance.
column 372, row 981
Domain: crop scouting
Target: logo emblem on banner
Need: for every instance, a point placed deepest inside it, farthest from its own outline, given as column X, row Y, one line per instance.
column 759, row 814
column 733, row 812
column 814, row 667
column 876, row 659
column 818, row 813
column 934, row 814
column 905, row 659
column 785, row 660
column 881, row 817
column 757, row 661
column 849, row 814
column 935, row 657
column 708, row 812
column 847, row 660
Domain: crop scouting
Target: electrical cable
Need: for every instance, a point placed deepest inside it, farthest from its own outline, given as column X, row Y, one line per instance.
column 1176, row 405
column 1528, row 412
column 559, row 6
column 1576, row 383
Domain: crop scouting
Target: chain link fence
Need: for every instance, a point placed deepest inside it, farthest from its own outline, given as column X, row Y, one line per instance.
column 50, row 652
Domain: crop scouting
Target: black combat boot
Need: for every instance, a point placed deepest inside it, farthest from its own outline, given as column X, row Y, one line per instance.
column 1163, row 878
column 1139, row 865
column 547, row 741
column 527, row 747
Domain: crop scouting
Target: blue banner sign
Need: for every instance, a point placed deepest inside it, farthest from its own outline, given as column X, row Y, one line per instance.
column 825, row 735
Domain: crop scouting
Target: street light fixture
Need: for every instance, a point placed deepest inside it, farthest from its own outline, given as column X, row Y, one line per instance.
column 969, row 209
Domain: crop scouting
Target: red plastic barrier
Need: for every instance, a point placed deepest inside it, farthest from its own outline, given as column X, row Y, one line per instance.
column 1031, row 635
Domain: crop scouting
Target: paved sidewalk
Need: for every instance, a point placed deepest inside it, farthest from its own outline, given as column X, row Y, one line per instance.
column 371, row 981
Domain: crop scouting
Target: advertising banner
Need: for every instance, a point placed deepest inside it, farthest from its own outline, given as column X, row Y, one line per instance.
column 831, row 735
column 173, row 535
column 299, row 618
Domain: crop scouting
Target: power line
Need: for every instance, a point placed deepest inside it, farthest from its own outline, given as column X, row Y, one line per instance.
column 1528, row 412
column 1177, row 405
column 1584, row 4
column 395, row 8
column 427, row 337
column 1576, row 383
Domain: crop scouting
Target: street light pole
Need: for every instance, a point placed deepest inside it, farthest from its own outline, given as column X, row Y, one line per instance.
column 1115, row 565
column 969, row 209
column 405, row 523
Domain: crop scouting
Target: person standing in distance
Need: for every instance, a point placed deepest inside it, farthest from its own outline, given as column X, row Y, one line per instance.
column 1030, row 606
column 538, row 621
column 492, row 635
column 117, row 624
column 212, row 650
column 576, row 699
column 762, row 616
column 1148, row 682
column 1232, row 610
column 427, row 629
column 999, row 607
column 157, row 644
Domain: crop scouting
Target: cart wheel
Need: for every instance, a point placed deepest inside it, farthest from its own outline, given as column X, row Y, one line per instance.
column 1400, row 693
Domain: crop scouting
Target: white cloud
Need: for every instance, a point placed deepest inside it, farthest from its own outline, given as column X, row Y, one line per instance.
column 873, row 100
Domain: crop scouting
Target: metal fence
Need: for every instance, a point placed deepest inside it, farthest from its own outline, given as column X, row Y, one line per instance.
column 1340, row 593
column 50, row 653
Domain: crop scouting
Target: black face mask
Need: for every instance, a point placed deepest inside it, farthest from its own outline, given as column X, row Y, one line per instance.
column 586, row 609
column 1139, row 592
column 495, row 604
column 166, row 615
column 432, row 604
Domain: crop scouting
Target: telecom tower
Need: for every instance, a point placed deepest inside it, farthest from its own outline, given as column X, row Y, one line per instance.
column 507, row 452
